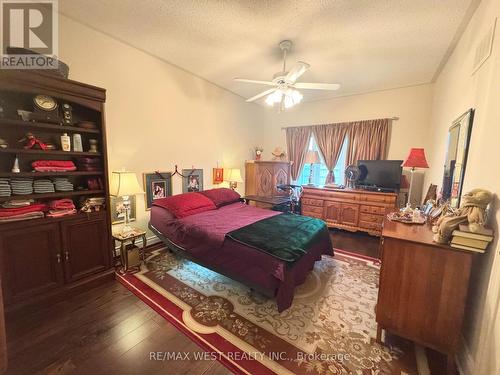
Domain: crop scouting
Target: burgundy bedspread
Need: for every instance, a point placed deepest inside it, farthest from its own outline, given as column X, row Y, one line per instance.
column 203, row 237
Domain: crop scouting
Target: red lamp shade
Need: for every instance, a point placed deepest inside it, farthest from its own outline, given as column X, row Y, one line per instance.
column 416, row 159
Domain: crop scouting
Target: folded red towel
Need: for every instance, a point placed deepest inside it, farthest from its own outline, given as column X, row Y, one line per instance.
column 8, row 212
column 61, row 204
column 52, row 163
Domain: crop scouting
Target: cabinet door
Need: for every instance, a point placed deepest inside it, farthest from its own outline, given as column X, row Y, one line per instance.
column 265, row 180
column 349, row 215
column 281, row 177
column 85, row 247
column 332, row 211
column 31, row 261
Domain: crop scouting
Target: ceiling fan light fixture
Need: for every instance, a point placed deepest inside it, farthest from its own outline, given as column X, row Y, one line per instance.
column 277, row 96
column 270, row 100
column 296, row 96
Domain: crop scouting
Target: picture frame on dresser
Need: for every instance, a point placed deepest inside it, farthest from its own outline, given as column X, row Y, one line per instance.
column 157, row 185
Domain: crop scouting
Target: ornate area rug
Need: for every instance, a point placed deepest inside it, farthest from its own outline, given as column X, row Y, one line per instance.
column 329, row 329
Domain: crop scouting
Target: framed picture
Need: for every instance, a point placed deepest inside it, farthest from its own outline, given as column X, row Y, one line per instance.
column 193, row 180
column 118, row 210
column 218, row 177
column 157, row 185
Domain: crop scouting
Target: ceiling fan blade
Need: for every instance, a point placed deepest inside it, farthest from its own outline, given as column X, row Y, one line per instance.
column 258, row 96
column 268, row 83
column 316, row 86
column 294, row 73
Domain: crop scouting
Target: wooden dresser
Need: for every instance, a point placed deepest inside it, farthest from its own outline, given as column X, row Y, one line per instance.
column 261, row 177
column 350, row 209
column 422, row 289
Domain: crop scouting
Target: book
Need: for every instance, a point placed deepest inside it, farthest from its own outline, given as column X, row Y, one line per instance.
column 471, row 242
column 484, row 234
column 468, row 248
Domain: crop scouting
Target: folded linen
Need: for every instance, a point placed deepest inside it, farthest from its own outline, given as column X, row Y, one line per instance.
column 61, row 204
column 52, row 163
column 59, row 213
column 7, row 212
column 25, row 216
column 54, row 169
column 15, row 203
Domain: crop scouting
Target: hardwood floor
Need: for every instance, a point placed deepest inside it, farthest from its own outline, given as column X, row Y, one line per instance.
column 355, row 242
column 109, row 330
column 101, row 331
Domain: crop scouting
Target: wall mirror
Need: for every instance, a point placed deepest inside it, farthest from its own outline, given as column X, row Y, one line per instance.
column 456, row 157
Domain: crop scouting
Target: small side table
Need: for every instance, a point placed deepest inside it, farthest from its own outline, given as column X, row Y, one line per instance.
column 127, row 247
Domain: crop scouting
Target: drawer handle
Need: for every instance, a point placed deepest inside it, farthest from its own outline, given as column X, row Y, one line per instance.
column 58, row 256
column 66, row 255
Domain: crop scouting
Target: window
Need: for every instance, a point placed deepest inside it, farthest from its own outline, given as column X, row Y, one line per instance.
column 320, row 171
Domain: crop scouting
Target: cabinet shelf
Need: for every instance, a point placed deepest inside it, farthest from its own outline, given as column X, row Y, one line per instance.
column 58, row 194
column 47, row 152
column 47, row 220
column 49, row 174
column 46, row 126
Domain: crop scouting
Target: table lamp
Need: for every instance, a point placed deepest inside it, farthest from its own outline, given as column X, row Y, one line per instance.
column 312, row 157
column 233, row 176
column 415, row 159
column 124, row 184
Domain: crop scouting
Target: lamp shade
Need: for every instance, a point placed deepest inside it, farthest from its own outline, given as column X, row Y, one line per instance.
column 124, row 183
column 312, row 157
column 233, row 175
column 416, row 159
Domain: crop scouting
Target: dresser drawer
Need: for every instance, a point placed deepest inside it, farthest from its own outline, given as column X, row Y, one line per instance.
column 372, row 209
column 371, row 218
column 312, row 202
column 389, row 199
column 315, row 209
column 370, row 225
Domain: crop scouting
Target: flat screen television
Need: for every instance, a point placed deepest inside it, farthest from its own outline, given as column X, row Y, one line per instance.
column 380, row 174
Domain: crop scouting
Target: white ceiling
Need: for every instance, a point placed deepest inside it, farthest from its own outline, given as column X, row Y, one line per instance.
column 366, row 45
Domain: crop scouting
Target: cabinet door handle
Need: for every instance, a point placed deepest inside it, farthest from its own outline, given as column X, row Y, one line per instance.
column 66, row 255
column 58, row 256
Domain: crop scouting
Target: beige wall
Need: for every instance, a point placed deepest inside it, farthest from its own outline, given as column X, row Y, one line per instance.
column 412, row 105
column 457, row 90
column 158, row 115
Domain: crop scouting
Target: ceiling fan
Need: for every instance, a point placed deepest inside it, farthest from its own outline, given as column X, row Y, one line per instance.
column 285, row 85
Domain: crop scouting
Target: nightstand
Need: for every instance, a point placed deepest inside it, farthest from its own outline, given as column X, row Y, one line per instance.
column 130, row 254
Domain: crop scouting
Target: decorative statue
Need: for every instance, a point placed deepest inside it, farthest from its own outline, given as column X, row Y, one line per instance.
column 278, row 154
column 32, row 141
column 472, row 211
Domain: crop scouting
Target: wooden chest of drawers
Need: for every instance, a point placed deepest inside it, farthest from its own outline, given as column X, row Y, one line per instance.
column 349, row 209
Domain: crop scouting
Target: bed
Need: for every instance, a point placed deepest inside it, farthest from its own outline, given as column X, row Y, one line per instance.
column 214, row 237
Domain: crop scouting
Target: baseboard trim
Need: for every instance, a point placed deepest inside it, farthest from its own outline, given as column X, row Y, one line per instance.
column 465, row 361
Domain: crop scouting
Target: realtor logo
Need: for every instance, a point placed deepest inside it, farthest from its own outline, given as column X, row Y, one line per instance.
column 29, row 34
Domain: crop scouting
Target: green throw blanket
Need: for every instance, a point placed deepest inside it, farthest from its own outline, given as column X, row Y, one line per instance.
column 286, row 237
